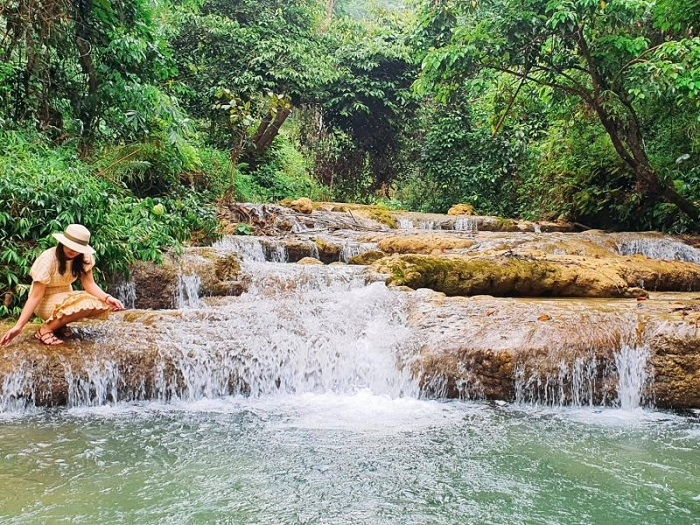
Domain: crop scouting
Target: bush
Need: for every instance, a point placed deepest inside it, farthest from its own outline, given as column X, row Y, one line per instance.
column 43, row 189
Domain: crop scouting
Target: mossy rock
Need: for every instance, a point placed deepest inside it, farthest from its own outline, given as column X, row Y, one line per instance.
column 379, row 214
column 565, row 276
column 422, row 244
column 367, row 258
column 461, row 209
column 328, row 252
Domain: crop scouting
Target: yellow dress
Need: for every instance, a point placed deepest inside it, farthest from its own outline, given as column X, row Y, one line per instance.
column 60, row 299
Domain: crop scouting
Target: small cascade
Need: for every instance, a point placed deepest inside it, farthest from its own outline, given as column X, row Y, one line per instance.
column 187, row 295
column 282, row 279
column 565, row 384
column 466, row 224
column 15, row 385
column 404, row 224
column 96, row 385
column 634, row 376
column 428, row 225
column 250, row 248
column 587, row 381
column 318, row 342
column 659, row 248
column 126, row 293
column 350, row 249
column 278, row 253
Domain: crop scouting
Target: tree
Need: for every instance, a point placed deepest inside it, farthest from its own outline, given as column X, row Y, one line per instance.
column 587, row 49
column 369, row 100
column 264, row 56
column 88, row 62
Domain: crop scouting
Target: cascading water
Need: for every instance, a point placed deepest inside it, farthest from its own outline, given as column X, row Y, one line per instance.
column 126, row 293
column 582, row 382
column 331, row 427
column 187, row 295
column 634, row 376
column 659, row 248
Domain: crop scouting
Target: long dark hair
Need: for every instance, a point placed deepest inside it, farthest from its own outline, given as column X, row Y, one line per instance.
column 78, row 261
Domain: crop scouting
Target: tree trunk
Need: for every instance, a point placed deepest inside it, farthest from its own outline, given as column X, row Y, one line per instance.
column 627, row 139
column 87, row 113
column 262, row 140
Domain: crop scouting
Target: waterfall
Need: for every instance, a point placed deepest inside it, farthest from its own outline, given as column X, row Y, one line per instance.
column 340, row 342
column 126, row 293
column 633, row 376
column 467, row 224
column 659, row 248
column 583, row 381
column 405, row 224
column 250, row 248
column 187, row 294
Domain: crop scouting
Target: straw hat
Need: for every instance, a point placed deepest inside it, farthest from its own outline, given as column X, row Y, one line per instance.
column 76, row 237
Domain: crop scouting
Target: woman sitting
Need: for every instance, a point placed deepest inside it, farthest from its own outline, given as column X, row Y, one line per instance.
column 51, row 296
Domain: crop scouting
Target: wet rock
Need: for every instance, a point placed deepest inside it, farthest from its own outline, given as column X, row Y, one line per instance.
column 497, row 348
column 425, row 244
column 157, row 285
column 557, row 276
column 303, row 205
column 310, row 261
column 367, row 257
column 328, row 252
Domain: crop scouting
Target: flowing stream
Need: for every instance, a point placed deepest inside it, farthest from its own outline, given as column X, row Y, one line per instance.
column 328, row 427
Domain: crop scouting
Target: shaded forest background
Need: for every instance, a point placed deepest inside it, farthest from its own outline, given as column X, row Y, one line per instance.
column 135, row 117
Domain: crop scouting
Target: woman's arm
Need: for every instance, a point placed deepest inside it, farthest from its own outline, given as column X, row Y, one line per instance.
column 35, row 296
column 90, row 286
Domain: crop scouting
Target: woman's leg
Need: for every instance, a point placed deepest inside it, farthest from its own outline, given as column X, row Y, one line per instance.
column 59, row 323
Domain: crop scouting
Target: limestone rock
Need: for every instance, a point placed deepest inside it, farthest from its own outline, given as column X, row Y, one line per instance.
column 427, row 244
column 461, row 209
column 367, row 257
column 310, row 261
column 556, row 276
column 302, row 205
column 157, row 285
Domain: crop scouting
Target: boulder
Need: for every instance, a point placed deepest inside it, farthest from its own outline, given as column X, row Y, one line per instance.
column 302, row 205
column 426, row 244
column 310, row 261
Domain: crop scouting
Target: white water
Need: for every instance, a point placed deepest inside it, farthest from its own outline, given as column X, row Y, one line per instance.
column 633, row 376
column 187, row 294
column 660, row 248
column 312, row 329
column 575, row 383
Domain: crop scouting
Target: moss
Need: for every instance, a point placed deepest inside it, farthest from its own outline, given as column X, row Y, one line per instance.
column 384, row 216
column 367, row 258
column 505, row 225
column 473, row 276
column 422, row 244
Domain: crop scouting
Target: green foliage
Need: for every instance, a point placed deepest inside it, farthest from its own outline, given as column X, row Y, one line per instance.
column 607, row 57
column 43, row 189
column 86, row 69
column 283, row 172
column 462, row 162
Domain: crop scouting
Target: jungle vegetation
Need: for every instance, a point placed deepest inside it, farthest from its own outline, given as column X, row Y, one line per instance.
column 135, row 117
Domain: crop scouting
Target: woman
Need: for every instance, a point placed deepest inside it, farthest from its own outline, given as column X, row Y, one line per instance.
column 51, row 296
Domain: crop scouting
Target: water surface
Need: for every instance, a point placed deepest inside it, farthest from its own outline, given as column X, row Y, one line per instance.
column 348, row 459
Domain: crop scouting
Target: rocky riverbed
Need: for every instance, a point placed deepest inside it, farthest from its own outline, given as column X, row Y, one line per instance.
column 497, row 309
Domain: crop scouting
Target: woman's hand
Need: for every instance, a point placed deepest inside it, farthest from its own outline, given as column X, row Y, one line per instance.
column 10, row 335
column 114, row 303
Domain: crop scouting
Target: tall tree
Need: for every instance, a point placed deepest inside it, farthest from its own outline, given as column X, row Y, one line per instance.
column 85, row 61
column 588, row 49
